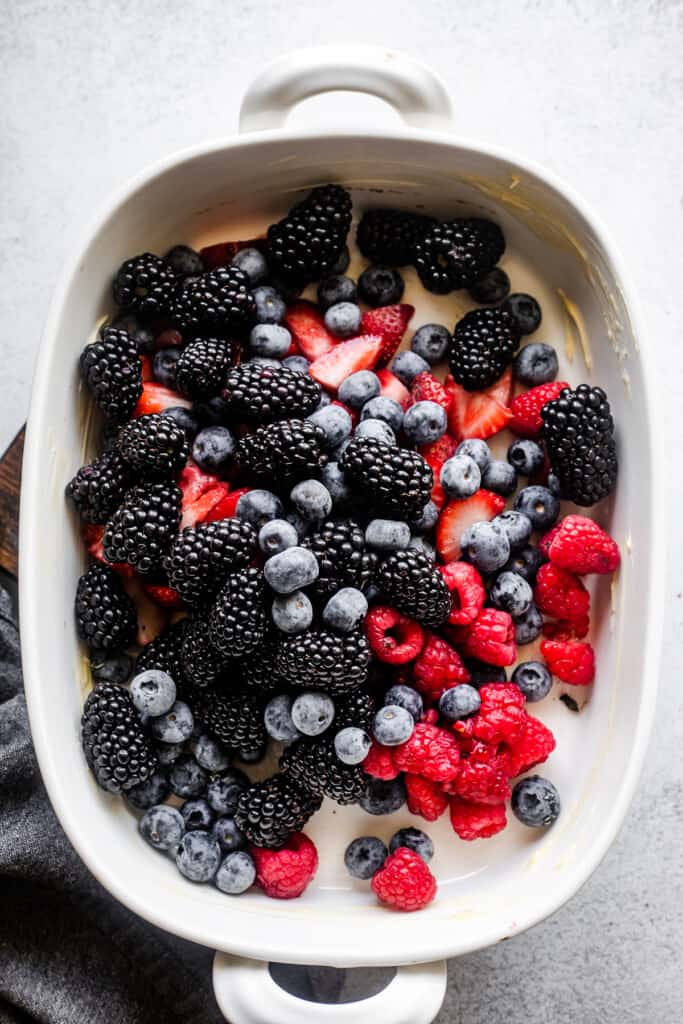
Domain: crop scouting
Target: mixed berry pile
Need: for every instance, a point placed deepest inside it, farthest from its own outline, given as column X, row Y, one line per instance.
column 306, row 537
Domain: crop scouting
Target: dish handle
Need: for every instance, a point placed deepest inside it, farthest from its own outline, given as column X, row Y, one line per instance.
column 246, row 993
column 412, row 89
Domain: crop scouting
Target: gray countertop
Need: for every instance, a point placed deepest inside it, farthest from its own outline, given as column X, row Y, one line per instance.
column 94, row 91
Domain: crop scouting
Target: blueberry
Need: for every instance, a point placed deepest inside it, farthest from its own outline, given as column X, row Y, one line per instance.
column 341, row 264
column 364, row 857
column 536, row 364
column 299, row 364
column 526, row 562
column 526, row 456
column 252, row 263
column 405, row 697
column 198, row 856
column 430, row 342
column 387, row 534
column 511, row 593
column 425, row 422
column 153, row 692
column 383, row 797
column 184, row 261
column 187, row 777
column 259, row 507
column 460, row 476
column 292, row 613
column 377, row 429
column 153, row 790
column 554, row 484
column 359, row 388
column 175, row 725
column 276, row 536
column 414, row 839
column 351, row 745
column 336, row 289
column 162, row 827
column 477, row 450
column 518, row 529
column 325, row 399
column 223, row 791
column 185, row 420
column 427, row 519
column 311, row 499
column 486, row 545
column 211, row 754
column 167, row 753
column 407, row 365
column 236, row 873
column 383, row 408
column 142, row 335
column 525, row 310
column 528, row 626
column 212, row 412
column 392, row 725
column 277, row 718
column 301, row 525
column 499, row 477
column 533, row 679
column 420, row 544
column 312, row 713
column 539, row 504
column 229, row 837
column 106, row 668
column 343, row 319
column 213, row 449
column 270, row 340
column 535, row 802
column 481, row 673
column 492, row 287
column 335, row 424
column 380, row 286
column 270, row 306
column 291, row 570
column 197, row 814
column 164, row 366
column 459, row 702
column 333, row 478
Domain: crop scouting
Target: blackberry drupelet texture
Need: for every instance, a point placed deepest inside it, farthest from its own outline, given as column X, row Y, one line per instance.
column 304, row 245
column 143, row 527
column 259, row 669
column 411, row 584
column 237, row 620
column 578, row 431
column 105, row 615
column 342, row 555
column 324, row 661
column 154, row 446
column 144, row 285
column 394, row 479
column 391, row 236
column 202, row 663
column 114, row 742
column 269, row 812
column 314, row 764
column 164, row 652
column 458, row 253
column 261, row 394
column 484, row 343
column 112, row 372
column 357, row 710
column 98, row 488
column 203, row 366
column 218, row 303
column 282, row 453
column 202, row 556
column 234, row 717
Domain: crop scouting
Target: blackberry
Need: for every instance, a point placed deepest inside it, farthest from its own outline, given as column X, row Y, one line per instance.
column 105, row 615
column 261, row 394
column 114, row 742
column 259, row 669
column 219, row 302
column 269, row 812
column 143, row 527
column 325, row 661
column 304, row 245
column 458, row 253
column 98, row 488
column 484, row 343
column 202, row 556
column 394, row 479
column 343, row 559
column 164, row 652
column 201, row 661
column 282, row 453
column 238, row 620
column 203, row 366
column 154, row 445
column 410, row 583
column 112, row 372
column 314, row 765
column 144, row 284
column 390, row 236
column 235, row 718
column 357, row 710
column 578, row 430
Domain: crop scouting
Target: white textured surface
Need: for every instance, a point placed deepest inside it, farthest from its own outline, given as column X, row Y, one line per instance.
column 94, row 91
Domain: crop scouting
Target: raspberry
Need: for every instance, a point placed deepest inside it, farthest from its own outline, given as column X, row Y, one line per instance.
column 565, row 630
column 426, row 388
column 500, row 717
column 484, row 776
column 476, row 821
column 563, row 596
column 405, row 881
column 570, row 660
column 526, row 408
column 393, row 638
column 435, row 454
column 424, row 797
column 583, row 547
column 438, row 668
column 533, row 745
column 490, row 638
column 547, row 539
column 379, row 762
column 431, row 752
column 430, row 716
column 467, row 592
column 284, row 874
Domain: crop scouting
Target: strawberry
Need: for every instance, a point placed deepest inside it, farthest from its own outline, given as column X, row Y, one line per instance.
column 570, row 660
column 167, row 597
column 582, row 547
column 226, row 508
column 198, row 510
column 147, row 371
column 220, row 254
column 389, row 323
column 392, row 387
column 307, row 327
column 331, row 369
column 156, row 398
column 193, row 481
column 435, row 454
column 480, row 413
column 458, row 515
column 426, row 388
column 526, row 408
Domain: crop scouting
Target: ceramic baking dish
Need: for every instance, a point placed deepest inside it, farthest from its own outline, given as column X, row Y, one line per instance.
column 557, row 249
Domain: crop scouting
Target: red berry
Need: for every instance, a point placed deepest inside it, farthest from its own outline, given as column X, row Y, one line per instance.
column 458, row 515
column 484, row 775
column 307, row 327
column 424, row 797
column 92, row 538
column 526, row 408
column 438, row 668
column 227, row 506
column 389, row 323
column 559, row 594
column 583, row 547
column 405, row 881
column 467, row 592
column 547, row 539
column 490, row 638
column 284, row 874
column 168, row 339
column 393, row 638
column 435, row 454
column 156, row 398
column 379, row 762
column 426, row 388
column 391, row 387
column 222, row 253
column 570, row 660
column 431, row 752
column 331, row 369
column 201, row 509
column 532, row 746
column 476, row 821
column 481, row 413
column 166, row 596
column 500, row 717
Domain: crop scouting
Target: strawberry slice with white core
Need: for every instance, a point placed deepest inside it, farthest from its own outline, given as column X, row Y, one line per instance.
column 198, row 511
column 193, row 481
column 392, row 387
column 389, row 323
column 458, row 515
column 361, row 353
column 480, row 413
column 307, row 327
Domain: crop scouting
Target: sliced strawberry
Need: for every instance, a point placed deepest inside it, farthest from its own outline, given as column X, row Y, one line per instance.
column 501, row 391
column 435, row 454
column 198, row 511
column 458, row 515
column 332, row 369
column 307, row 327
column 167, row 597
column 391, row 387
column 156, row 398
column 151, row 617
column 147, row 371
column 526, row 408
column 92, row 536
column 426, row 388
column 227, row 506
column 479, row 413
column 389, row 323
column 193, row 481
column 220, row 254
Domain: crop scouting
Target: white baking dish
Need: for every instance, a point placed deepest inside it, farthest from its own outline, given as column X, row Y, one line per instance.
column 489, row 889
